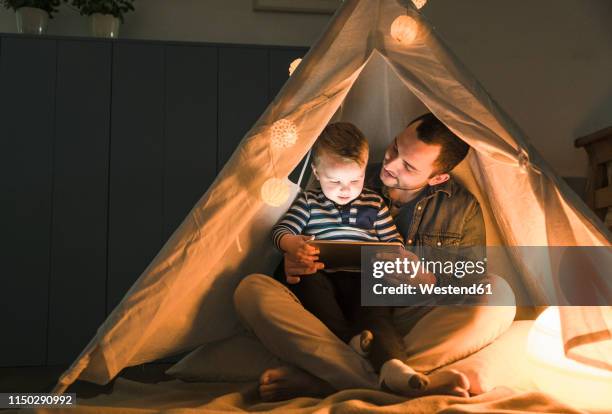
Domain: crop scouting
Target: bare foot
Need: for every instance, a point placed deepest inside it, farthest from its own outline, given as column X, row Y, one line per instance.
column 446, row 382
column 287, row 382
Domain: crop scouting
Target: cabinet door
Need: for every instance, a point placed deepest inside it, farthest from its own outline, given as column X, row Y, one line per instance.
column 80, row 197
column 191, row 129
column 27, row 105
column 243, row 94
column 136, row 164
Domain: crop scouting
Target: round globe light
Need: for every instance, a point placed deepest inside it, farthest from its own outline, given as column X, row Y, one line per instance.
column 419, row 4
column 405, row 29
column 293, row 65
column 275, row 192
column 284, row 133
column 574, row 383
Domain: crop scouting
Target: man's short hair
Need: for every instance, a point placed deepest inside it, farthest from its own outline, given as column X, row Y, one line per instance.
column 344, row 140
column 452, row 148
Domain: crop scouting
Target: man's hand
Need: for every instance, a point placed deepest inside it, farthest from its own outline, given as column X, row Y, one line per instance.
column 294, row 269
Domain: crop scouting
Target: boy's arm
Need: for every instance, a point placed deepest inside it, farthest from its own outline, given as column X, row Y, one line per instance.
column 385, row 227
column 293, row 222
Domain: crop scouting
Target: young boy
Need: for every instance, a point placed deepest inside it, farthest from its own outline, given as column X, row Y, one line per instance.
column 344, row 210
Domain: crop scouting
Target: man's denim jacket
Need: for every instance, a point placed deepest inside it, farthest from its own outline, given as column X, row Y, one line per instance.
column 446, row 215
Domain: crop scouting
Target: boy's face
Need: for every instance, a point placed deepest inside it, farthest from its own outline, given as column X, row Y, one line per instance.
column 341, row 180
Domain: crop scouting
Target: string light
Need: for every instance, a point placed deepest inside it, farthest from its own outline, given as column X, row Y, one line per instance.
column 405, row 29
column 419, row 3
column 275, row 191
column 283, row 133
column 293, row 65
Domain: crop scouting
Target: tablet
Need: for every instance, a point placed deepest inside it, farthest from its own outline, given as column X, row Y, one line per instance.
column 345, row 255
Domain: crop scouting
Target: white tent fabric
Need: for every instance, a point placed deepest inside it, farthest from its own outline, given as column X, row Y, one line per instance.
column 356, row 72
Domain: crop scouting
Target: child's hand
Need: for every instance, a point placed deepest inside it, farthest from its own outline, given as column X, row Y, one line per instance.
column 294, row 271
column 298, row 249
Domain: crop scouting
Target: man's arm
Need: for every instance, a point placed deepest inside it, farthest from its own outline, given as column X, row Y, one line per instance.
column 474, row 233
column 473, row 238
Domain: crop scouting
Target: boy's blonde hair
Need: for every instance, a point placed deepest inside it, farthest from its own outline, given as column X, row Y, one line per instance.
column 344, row 140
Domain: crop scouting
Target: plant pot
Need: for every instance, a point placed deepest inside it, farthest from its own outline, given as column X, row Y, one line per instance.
column 105, row 25
column 32, row 20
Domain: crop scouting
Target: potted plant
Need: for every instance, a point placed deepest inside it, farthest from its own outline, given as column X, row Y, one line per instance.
column 105, row 15
column 32, row 15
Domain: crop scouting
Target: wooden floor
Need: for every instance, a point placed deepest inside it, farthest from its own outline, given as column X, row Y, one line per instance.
column 43, row 379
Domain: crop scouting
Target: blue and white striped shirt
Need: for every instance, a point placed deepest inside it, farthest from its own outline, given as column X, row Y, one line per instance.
column 366, row 218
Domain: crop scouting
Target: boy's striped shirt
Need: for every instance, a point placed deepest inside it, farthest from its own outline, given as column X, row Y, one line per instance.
column 366, row 218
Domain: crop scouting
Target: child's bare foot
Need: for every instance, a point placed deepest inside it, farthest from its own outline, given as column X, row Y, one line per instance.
column 287, row 382
column 399, row 378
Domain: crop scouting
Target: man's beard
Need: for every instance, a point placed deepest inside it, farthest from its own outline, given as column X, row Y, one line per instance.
column 396, row 185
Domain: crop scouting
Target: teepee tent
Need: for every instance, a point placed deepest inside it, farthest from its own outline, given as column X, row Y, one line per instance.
column 379, row 64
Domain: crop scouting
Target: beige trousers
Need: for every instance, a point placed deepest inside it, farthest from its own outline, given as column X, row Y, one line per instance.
column 434, row 336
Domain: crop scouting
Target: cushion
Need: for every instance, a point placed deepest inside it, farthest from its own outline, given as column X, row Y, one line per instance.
column 238, row 358
column 502, row 363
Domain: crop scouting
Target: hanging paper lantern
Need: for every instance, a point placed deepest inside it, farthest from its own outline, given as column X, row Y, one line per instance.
column 419, row 3
column 275, row 192
column 284, row 133
column 293, row 65
column 405, row 29
column 572, row 382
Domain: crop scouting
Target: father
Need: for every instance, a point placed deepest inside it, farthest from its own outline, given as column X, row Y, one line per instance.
column 430, row 209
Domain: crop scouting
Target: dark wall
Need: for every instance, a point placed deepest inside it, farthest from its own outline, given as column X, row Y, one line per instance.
column 105, row 147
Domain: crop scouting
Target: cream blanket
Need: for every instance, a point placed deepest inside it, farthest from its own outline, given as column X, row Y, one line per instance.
column 181, row 397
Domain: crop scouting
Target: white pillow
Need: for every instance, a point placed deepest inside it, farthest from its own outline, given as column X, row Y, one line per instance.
column 238, row 358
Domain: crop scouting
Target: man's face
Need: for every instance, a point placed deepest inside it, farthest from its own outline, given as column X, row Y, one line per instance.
column 409, row 163
column 341, row 180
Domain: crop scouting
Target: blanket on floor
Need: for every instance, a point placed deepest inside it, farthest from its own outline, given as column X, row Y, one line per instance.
column 131, row 397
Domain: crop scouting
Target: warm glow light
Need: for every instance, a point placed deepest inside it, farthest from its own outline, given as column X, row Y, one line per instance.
column 419, row 3
column 284, row 133
column 405, row 29
column 293, row 66
column 569, row 381
column 275, row 192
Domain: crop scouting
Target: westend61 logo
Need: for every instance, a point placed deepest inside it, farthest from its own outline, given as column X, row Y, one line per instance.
column 427, row 276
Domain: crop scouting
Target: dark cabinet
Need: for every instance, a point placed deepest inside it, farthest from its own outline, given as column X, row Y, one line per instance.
column 106, row 145
column 77, row 279
column 27, row 110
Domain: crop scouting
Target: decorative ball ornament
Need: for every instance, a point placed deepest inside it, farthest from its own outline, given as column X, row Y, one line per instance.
column 275, row 192
column 419, row 4
column 405, row 29
column 284, row 133
column 293, row 65
column 570, row 381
